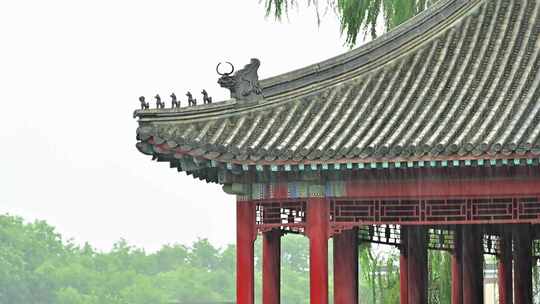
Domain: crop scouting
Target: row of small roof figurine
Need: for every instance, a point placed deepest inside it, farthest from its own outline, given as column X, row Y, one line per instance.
column 175, row 103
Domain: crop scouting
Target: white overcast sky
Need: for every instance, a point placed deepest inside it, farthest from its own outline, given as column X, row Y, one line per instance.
column 70, row 75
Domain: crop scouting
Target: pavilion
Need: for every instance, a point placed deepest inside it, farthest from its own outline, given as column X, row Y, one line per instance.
column 426, row 138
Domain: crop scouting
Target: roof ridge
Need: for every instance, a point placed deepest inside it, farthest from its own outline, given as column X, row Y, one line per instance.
column 416, row 27
column 310, row 79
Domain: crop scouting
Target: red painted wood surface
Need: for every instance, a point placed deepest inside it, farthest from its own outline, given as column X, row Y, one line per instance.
column 504, row 273
column 403, row 268
column 271, row 266
column 317, row 231
column 444, row 188
column 417, row 266
column 346, row 267
column 473, row 275
column 457, row 210
column 353, row 212
column 522, row 264
column 245, row 238
column 457, row 274
column 280, row 190
column 442, row 184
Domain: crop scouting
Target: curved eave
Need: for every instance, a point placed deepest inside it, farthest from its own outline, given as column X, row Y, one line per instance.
column 219, row 171
column 455, row 86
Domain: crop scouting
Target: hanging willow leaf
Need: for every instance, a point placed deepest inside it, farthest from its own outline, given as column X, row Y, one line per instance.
column 357, row 16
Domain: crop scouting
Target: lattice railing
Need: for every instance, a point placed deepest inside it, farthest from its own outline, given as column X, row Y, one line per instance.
column 536, row 249
column 441, row 239
column 437, row 238
column 491, row 244
column 289, row 216
column 380, row 234
column 436, row 211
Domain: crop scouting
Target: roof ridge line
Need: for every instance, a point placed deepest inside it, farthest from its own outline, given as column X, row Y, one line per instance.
column 432, row 19
column 291, row 89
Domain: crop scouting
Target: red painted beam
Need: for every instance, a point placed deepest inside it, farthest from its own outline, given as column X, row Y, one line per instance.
column 403, row 268
column 473, row 262
column 346, row 267
column 504, row 273
column 245, row 238
column 417, row 264
column 429, row 183
column 271, row 266
column 522, row 264
column 317, row 231
column 457, row 264
column 444, row 188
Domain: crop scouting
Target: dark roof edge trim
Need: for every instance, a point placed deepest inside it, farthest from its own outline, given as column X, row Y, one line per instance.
column 198, row 163
column 236, row 169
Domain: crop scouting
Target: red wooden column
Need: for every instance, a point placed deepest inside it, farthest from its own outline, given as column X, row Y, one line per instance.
column 317, row 231
column 473, row 264
column 403, row 266
column 346, row 267
column 271, row 266
column 417, row 264
column 457, row 274
column 504, row 272
column 522, row 264
column 245, row 237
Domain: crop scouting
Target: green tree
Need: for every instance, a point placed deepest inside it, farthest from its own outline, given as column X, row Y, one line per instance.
column 295, row 269
column 379, row 274
column 71, row 295
column 169, row 258
column 356, row 16
column 439, row 277
column 204, row 255
column 143, row 291
column 24, row 248
column 536, row 276
column 38, row 267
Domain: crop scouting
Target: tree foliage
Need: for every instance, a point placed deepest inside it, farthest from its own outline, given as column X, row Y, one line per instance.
column 38, row 267
column 356, row 16
column 379, row 274
column 439, row 270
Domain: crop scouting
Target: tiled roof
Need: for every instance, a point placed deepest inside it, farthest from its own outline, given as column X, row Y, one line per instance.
column 460, row 81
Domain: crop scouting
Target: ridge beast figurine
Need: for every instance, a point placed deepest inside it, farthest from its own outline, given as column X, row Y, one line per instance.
column 174, row 101
column 144, row 105
column 244, row 84
column 206, row 99
column 159, row 103
column 191, row 101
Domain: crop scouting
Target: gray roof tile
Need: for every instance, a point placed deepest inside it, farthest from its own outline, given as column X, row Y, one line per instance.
column 463, row 86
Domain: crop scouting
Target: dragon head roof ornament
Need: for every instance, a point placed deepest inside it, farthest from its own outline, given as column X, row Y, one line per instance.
column 244, row 84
